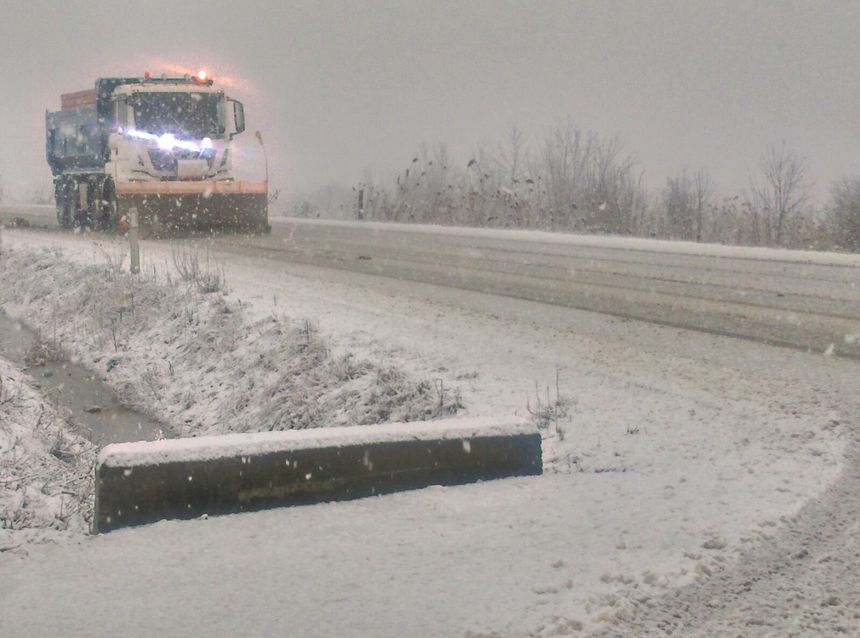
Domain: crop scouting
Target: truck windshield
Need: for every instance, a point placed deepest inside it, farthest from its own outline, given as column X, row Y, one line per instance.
column 194, row 115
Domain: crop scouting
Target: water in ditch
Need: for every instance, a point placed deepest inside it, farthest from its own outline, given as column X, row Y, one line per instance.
column 76, row 390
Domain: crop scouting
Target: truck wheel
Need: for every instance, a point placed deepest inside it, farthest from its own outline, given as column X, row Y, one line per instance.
column 107, row 209
column 261, row 224
column 65, row 212
column 79, row 190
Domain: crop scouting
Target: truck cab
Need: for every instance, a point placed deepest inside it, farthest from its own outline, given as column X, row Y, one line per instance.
column 172, row 132
column 162, row 145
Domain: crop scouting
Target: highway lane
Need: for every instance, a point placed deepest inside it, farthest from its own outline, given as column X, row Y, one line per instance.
column 798, row 299
column 804, row 303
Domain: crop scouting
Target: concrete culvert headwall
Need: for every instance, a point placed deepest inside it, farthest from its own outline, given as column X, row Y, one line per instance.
column 138, row 483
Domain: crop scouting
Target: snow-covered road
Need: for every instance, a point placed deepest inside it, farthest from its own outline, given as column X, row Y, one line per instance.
column 804, row 299
column 689, row 455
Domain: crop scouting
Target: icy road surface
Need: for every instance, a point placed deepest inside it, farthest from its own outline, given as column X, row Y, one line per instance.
column 704, row 483
column 803, row 299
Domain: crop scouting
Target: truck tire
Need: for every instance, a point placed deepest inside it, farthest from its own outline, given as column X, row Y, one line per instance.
column 262, row 225
column 107, row 207
column 87, row 197
column 259, row 224
column 80, row 215
column 65, row 211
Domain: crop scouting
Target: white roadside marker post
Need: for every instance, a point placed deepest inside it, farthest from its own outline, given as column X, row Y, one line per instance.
column 134, row 246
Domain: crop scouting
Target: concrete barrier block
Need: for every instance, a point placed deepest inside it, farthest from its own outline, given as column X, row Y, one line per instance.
column 138, row 483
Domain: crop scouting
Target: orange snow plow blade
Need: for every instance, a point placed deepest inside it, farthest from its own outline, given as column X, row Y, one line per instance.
column 166, row 208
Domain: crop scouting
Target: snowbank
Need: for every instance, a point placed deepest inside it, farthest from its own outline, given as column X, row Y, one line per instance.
column 196, row 361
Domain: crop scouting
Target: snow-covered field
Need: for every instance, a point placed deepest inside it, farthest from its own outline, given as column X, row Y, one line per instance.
column 676, row 452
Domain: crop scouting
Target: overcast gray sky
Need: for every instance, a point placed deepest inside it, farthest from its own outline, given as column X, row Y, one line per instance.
column 336, row 87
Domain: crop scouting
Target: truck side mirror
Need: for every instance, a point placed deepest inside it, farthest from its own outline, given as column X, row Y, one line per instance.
column 238, row 117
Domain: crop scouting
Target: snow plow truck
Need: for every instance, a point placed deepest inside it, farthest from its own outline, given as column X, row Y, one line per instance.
column 160, row 145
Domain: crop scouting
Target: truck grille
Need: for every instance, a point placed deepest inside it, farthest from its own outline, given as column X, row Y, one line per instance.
column 162, row 160
column 166, row 160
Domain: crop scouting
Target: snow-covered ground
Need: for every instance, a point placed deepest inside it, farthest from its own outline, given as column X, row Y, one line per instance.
column 45, row 485
column 195, row 361
column 679, row 450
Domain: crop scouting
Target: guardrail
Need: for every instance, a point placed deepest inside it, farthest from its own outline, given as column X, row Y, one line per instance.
column 138, row 483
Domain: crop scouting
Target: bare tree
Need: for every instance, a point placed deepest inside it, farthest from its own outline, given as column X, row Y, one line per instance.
column 844, row 213
column 781, row 191
column 703, row 194
column 512, row 156
column 589, row 182
column 686, row 198
column 615, row 188
column 565, row 156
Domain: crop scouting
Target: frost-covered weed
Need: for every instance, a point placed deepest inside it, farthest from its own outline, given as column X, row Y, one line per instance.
column 547, row 412
column 113, row 256
column 207, row 277
column 43, row 351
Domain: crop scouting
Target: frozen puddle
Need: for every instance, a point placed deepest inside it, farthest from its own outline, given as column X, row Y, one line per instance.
column 76, row 390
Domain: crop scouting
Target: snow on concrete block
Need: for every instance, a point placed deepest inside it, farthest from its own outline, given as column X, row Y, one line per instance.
column 138, row 483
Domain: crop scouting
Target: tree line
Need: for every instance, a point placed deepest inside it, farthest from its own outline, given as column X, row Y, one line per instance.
column 579, row 181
